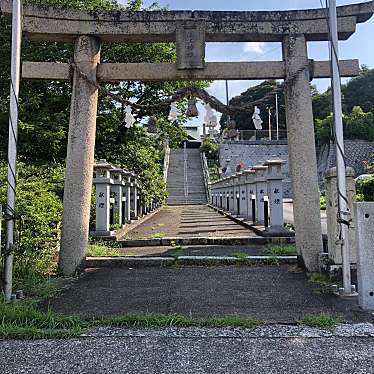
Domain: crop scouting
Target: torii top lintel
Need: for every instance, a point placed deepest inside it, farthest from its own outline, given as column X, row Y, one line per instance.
column 53, row 24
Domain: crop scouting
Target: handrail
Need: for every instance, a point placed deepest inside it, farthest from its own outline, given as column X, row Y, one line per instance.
column 166, row 159
column 185, row 172
column 206, row 175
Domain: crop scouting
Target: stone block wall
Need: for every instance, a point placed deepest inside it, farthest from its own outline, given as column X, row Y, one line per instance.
column 357, row 152
column 250, row 153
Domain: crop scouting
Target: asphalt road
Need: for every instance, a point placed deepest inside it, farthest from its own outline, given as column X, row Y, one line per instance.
column 268, row 293
column 167, row 352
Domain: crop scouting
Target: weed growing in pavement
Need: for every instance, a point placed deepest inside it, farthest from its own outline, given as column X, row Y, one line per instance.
column 281, row 250
column 101, row 250
column 239, row 255
column 24, row 321
column 322, row 320
column 176, row 251
column 323, row 282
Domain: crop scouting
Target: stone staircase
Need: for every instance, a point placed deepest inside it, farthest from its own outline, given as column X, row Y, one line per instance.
column 175, row 180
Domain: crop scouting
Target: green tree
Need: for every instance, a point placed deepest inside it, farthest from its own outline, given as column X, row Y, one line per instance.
column 359, row 91
column 244, row 119
column 356, row 125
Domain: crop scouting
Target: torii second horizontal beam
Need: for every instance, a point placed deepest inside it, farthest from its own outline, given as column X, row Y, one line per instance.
column 117, row 72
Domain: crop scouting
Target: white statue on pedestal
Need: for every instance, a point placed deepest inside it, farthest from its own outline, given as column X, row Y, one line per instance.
column 173, row 115
column 257, row 121
column 129, row 118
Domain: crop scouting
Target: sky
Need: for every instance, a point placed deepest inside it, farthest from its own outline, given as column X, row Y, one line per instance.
column 360, row 45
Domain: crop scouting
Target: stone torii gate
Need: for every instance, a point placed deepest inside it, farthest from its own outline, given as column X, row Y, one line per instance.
column 190, row 30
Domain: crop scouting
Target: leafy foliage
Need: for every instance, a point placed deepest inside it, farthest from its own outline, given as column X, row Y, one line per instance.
column 244, row 120
column 365, row 187
column 39, row 204
column 357, row 125
column 210, row 148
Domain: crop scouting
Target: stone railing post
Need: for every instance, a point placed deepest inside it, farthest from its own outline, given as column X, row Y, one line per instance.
column 243, row 195
column 232, row 195
column 127, row 196
column 236, row 194
column 134, row 198
column 364, row 222
column 80, row 157
column 302, row 151
column 227, row 191
column 261, row 191
column 103, row 183
column 250, row 187
column 224, row 199
column 333, row 227
column 117, row 191
column 275, row 193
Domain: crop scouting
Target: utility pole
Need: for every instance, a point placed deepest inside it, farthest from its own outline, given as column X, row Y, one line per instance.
column 343, row 209
column 277, row 114
column 12, row 146
column 227, row 100
column 269, row 115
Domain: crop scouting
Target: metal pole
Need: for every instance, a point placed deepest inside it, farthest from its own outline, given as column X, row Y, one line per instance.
column 227, row 100
column 277, row 114
column 339, row 140
column 269, row 112
column 12, row 144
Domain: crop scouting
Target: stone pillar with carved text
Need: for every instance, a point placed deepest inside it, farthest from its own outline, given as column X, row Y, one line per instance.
column 302, row 151
column 80, row 157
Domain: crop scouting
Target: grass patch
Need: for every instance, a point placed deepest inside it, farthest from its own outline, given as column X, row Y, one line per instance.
column 176, row 251
column 157, row 235
column 101, row 250
column 281, row 250
column 25, row 321
column 322, row 320
column 154, row 320
column 320, row 279
column 39, row 287
column 323, row 282
column 240, row 255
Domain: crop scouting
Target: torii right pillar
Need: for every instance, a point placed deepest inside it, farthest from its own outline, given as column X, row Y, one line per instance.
column 302, row 152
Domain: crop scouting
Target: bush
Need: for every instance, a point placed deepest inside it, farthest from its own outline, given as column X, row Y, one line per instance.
column 365, row 189
column 210, row 148
column 39, row 205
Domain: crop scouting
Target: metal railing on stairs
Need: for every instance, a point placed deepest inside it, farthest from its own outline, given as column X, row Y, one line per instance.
column 204, row 163
column 166, row 159
column 185, row 165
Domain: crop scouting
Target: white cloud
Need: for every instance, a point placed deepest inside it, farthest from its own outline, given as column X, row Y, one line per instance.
column 254, row 47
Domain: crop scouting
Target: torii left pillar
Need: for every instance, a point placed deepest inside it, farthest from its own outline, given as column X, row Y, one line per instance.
column 80, row 157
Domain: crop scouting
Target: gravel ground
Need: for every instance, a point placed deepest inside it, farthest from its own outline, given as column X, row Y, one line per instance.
column 167, row 351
